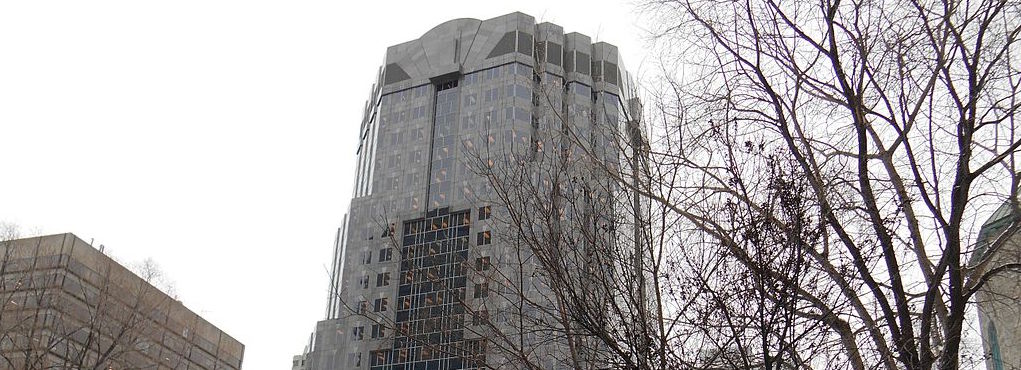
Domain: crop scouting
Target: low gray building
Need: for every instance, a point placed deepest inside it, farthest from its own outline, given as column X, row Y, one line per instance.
column 67, row 305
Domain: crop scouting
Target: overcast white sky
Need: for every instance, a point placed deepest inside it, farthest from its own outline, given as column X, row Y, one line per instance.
column 216, row 137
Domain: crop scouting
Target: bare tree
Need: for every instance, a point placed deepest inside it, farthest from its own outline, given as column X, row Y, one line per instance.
column 816, row 175
column 802, row 193
column 898, row 123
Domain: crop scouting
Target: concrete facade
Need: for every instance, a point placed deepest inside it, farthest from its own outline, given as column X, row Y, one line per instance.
column 999, row 301
column 299, row 362
column 67, row 305
column 467, row 90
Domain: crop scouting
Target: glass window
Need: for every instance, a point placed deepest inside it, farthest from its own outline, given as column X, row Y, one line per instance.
column 481, row 317
column 383, row 279
column 380, row 305
column 481, row 290
column 522, row 92
column 482, row 263
column 484, row 238
column 386, row 254
column 378, row 331
column 521, row 114
column 379, row 357
column 581, row 90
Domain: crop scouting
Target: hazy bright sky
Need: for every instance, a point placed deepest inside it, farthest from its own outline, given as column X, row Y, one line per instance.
column 216, row 137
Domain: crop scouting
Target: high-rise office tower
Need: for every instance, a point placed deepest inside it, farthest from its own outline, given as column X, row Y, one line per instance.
column 424, row 223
